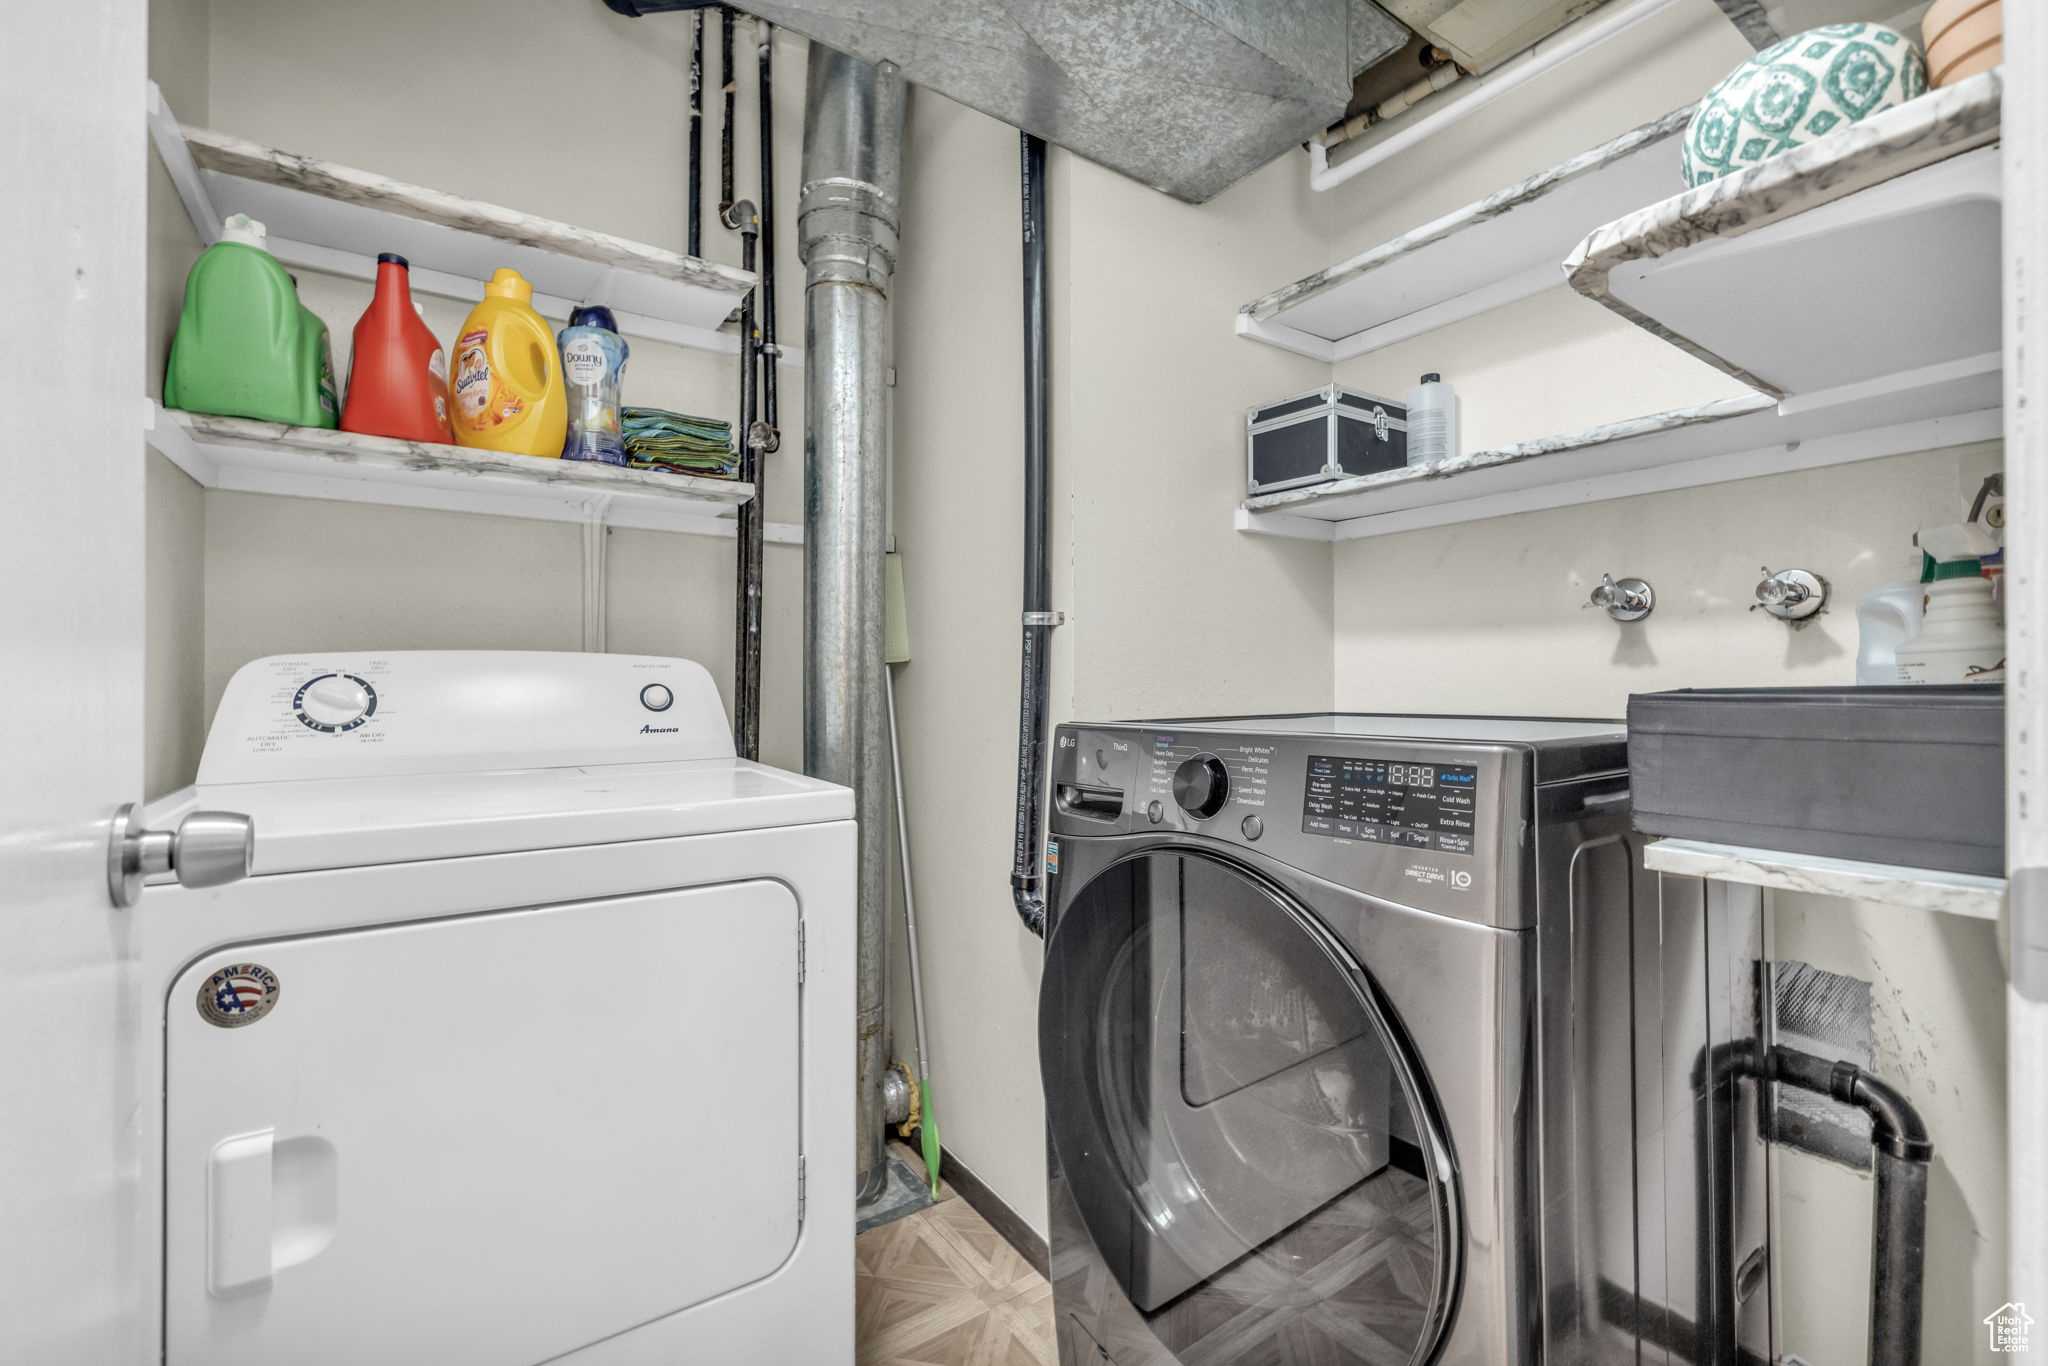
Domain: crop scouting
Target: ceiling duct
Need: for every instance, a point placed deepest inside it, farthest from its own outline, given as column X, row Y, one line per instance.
column 1188, row 96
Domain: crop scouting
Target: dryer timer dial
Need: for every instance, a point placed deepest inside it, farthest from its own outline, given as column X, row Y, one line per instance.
column 334, row 702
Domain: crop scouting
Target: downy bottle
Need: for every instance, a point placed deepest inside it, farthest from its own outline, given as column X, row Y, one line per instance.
column 593, row 368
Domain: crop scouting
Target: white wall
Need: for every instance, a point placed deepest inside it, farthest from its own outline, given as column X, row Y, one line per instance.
column 1169, row 610
column 1493, row 616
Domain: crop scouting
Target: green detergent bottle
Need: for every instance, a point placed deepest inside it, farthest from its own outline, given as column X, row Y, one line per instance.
column 246, row 346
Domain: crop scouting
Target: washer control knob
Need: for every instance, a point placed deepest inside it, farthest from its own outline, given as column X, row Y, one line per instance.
column 1201, row 786
column 657, row 697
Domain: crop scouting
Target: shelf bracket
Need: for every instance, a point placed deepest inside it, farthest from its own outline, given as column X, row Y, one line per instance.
column 183, row 170
column 1285, row 524
column 1287, row 338
column 175, row 444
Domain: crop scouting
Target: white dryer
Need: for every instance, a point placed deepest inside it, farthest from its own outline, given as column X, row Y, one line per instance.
column 529, row 1038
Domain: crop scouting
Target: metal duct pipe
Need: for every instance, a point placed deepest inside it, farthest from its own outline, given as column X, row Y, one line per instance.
column 846, row 229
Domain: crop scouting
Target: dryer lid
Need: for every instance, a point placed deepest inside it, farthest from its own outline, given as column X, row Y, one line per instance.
column 352, row 822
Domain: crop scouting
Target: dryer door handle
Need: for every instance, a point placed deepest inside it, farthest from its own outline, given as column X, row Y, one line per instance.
column 271, row 1204
column 238, row 1200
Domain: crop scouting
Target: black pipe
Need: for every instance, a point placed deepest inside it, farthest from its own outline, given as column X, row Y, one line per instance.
column 731, row 92
column 1901, row 1154
column 697, row 133
column 1714, row 1322
column 746, row 701
column 771, row 435
column 1027, row 870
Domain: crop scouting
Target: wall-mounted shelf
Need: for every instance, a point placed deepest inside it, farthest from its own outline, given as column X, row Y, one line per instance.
column 1855, row 264
column 307, row 462
column 1854, row 282
column 1494, row 252
column 1923, row 889
column 336, row 218
column 1735, row 438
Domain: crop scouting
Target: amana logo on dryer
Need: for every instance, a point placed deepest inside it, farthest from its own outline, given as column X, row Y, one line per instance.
column 659, row 730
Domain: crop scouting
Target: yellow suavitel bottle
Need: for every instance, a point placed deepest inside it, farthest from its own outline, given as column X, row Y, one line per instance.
column 505, row 386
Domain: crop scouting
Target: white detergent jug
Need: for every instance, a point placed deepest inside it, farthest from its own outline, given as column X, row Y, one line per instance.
column 1961, row 639
column 1886, row 618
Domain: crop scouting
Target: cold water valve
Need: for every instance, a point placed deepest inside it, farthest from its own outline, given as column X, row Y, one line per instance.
column 1791, row 594
column 1624, row 600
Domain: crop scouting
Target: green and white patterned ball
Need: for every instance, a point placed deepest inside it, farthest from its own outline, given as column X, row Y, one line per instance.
column 1798, row 90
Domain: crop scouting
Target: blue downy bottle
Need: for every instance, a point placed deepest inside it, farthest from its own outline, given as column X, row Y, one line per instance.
column 593, row 365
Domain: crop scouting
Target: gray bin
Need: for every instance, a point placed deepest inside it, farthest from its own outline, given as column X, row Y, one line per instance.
column 1913, row 776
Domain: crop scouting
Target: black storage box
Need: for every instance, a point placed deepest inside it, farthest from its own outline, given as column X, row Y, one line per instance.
column 1325, row 434
column 1913, row 776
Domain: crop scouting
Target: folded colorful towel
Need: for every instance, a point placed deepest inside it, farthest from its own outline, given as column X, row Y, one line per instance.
column 658, row 439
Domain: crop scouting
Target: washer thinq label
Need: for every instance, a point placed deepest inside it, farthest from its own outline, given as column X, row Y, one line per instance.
column 238, row 994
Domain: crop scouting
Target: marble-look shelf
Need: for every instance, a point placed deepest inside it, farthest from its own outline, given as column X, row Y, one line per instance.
column 308, row 462
column 1861, row 261
column 1729, row 439
column 1922, row 889
column 336, row 218
column 1490, row 253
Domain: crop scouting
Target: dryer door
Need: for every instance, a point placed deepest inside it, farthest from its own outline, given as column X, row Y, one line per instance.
column 484, row 1140
column 1245, row 1133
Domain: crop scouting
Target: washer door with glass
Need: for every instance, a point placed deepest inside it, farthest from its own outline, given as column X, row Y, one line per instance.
column 1245, row 1135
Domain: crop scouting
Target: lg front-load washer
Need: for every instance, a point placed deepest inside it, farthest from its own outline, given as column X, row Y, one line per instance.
column 1335, row 1038
column 529, row 1039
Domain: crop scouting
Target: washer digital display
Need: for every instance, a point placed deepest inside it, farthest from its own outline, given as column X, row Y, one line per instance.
column 1389, row 801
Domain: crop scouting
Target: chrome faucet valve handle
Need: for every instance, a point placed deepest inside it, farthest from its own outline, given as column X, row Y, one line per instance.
column 1624, row 599
column 1791, row 594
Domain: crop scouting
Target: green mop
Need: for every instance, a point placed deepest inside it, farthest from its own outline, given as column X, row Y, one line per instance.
column 896, row 650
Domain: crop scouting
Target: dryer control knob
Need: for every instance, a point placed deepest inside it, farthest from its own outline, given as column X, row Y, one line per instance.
column 334, row 701
column 1201, row 786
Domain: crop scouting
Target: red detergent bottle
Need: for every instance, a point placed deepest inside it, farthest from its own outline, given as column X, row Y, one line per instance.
column 398, row 375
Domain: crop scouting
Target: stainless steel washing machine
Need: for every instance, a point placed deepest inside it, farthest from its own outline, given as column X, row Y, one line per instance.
column 1337, row 1042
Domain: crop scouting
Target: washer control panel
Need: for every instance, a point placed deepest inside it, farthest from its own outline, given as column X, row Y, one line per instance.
column 1418, row 805
column 1441, row 825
